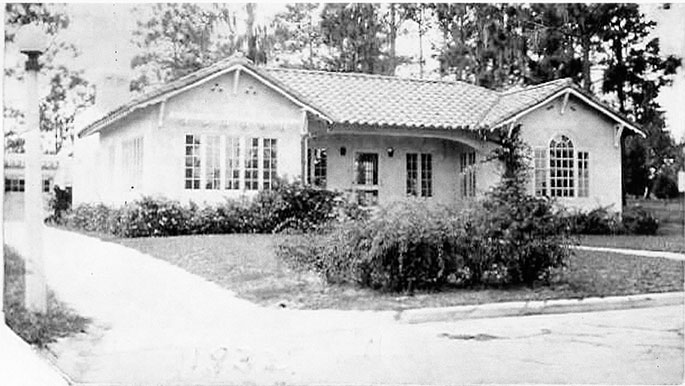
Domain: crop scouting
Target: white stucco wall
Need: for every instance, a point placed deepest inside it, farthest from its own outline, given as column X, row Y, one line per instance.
column 590, row 131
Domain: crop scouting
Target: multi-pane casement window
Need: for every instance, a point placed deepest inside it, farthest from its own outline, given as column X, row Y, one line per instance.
column 541, row 171
column 132, row 161
column 18, row 185
column 412, row 174
column 193, row 163
column 215, row 162
column 467, row 167
column 269, row 161
column 14, row 185
column 561, row 170
column 252, row 164
column 426, row 175
column 232, row 163
column 366, row 177
column 583, row 174
column 318, row 167
column 419, row 172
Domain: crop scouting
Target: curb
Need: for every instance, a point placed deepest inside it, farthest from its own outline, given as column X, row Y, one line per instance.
column 539, row 307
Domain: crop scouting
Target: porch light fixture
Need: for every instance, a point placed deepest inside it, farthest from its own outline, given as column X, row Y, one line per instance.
column 343, row 151
column 391, row 152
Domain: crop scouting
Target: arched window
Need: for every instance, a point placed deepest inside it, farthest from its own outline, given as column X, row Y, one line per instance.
column 560, row 171
column 561, row 167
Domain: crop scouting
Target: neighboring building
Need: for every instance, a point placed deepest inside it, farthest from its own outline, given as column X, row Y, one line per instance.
column 230, row 129
column 15, row 183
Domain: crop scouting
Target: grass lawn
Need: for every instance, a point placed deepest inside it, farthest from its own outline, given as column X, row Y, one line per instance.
column 36, row 329
column 247, row 265
column 674, row 242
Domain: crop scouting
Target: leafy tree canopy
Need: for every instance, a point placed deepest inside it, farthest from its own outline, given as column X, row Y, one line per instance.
column 68, row 91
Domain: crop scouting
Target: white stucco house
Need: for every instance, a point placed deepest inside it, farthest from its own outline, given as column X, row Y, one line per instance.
column 230, row 129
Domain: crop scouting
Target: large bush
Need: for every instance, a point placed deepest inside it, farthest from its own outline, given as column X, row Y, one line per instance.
column 519, row 235
column 636, row 220
column 405, row 246
column 599, row 221
column 665, row 187
column 289, row 206
column 293, row 206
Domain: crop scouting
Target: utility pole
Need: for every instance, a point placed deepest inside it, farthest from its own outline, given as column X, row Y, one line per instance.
column 32, row 42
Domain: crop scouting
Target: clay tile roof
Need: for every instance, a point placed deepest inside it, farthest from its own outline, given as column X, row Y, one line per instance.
column 374, row 99
column 385, row 100
column 510, row 103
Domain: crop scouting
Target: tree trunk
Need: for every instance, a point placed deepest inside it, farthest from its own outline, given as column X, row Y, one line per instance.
column 421, row 40
column 251, row 40
column 587, row 80
column 620, row 92
column 393, row 38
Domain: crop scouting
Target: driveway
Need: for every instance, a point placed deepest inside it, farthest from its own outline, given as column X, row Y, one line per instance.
column 157, row 324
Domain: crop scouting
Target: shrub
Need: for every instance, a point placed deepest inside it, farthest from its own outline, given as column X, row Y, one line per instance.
column 289, row 206
column 60, row 203
column 524, row 234
column 406, row 246
column 665, row 187
column 93, row 218
column 600, row 221
column 515, row 230
column 293, row 206
column 151, row 217
column 636, row 220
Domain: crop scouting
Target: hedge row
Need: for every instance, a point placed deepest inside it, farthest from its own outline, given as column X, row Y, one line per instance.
column 634, row 221
column 288, row 206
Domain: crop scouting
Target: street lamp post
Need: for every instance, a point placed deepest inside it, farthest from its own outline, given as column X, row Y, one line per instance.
column 32, row 42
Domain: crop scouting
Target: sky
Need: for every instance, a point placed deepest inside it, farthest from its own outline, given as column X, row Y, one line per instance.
column 103, row 31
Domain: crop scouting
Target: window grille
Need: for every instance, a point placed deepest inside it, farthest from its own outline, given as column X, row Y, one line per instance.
column 192, row 162
column 233, row 163
column 468, row 174
column 561, row 167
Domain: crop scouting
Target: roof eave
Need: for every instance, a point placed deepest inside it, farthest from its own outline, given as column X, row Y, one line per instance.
column 153, row 100
column 589, row 100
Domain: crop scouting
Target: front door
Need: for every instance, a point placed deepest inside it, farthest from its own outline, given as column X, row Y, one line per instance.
column 366, row 178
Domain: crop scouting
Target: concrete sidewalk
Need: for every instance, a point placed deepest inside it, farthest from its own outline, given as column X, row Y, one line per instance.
column 20, row 365
column 155, row 323
column 634, row 252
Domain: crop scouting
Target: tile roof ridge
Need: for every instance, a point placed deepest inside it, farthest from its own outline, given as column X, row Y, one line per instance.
column 565, row 81
column 489, row 109
column 377, row 76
